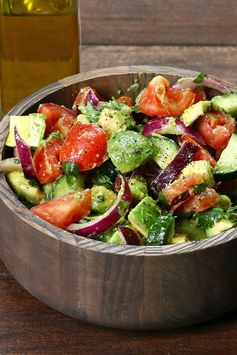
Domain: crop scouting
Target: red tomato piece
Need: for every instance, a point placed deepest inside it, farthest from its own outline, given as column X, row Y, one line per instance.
column 160, row 100
column 59, row 118
column 200, row 202
column 64, row 210
column 181, row 185
column 85, row 145
column 81, row 98
column 126, row 99
column 216, row 127
column 202, row 154
column 199, row 95
column 46, row 160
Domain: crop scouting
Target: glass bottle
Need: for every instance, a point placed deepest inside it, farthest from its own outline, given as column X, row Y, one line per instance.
column 39, row 42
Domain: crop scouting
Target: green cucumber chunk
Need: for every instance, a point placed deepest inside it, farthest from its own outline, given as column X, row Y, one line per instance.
column 227, row 102
column 227, row 163
column 144, row 215
column 167, row 150
column 162, row 231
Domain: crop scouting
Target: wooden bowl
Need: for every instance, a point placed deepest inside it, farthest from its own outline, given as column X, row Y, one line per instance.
column 130, row 287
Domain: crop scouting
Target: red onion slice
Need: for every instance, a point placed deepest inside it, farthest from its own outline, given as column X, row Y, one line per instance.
column 129, row 236
column 164, row 125
column 93, row 99
column 108, row 219
column 170, row 125
column 25, row 156
column 191, row 132
column 179, row 200
column 172, row 171
column 208, row 81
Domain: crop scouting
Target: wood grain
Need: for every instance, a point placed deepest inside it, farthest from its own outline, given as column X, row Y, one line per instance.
column 155, row 22
column 216, row 60
column 28, row 326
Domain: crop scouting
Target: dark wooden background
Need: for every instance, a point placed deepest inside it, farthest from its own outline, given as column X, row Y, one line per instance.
column 193, row 34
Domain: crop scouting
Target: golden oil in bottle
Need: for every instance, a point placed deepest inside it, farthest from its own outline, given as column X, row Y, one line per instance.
column 39, row 41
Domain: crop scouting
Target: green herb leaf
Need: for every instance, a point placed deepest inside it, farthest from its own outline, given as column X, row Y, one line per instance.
column 33, row 183
column 92, row 115
column 71, row 168
column 207, row 219
column 197, row 189
column 200, row 78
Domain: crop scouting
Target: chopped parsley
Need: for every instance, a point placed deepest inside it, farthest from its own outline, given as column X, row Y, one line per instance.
column 200, row 78
column 207, row 219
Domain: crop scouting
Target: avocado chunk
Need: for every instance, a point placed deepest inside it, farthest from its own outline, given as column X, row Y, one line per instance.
column 101, row 199
column 23, row 188
column 179, row 238
column 161, row 231
column 189, row 227
column 116, row 120
column 31, row 129
column 144, row 215
column 192, row 113
column 138, row 187
column 224, row 203
column 214, row 221
column 227, row 164
column 227, row 102
column 65, row 184
column 112, row 236
column 167, row 150
column 201, row 168
column 128, row 150
column 219, row 227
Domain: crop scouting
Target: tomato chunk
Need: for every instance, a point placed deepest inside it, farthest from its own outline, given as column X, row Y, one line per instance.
column 199, row 95
column 64, row 210
column 85, row 145
column 200, row 202
column 181, row 185
column 46, row 160
column 58, row 118
column 160, row 100
column 126, row 99
column 216, row 128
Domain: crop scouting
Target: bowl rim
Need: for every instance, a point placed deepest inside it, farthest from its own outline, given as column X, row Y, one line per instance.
column 87, row 243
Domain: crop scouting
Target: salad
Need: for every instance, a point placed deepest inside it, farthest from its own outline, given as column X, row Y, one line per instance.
column 154, row 170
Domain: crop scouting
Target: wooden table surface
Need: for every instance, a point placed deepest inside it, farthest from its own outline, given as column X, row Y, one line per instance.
column 28, row 326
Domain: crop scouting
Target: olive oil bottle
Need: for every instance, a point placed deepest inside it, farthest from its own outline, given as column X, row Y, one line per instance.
column 39, row 42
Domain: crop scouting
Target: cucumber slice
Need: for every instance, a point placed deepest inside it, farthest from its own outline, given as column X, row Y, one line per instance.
column 226, row 167
column 167, row 150
column 227, row 102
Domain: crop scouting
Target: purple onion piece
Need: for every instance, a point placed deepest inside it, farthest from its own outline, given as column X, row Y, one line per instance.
column 149, row 170
column 108, row 219
column 172, row 171
column 164, row 125
column 129, row 235
column 191, row 132
column 93, row 99
column 25, row 156
column 179, row 200
column 208, row 81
